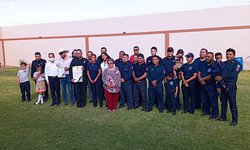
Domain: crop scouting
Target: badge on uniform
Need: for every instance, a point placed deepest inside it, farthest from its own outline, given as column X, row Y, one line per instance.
column 171, row 83
column 209, row 70
column 190, row 68
column 238, row 68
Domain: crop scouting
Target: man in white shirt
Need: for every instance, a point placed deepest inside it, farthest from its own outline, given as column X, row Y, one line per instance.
column 51, row 76
column 63, row 74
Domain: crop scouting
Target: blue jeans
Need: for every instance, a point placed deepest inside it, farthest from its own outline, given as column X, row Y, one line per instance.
column 65, row 82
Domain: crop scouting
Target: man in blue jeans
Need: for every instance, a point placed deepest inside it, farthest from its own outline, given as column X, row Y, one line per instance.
column 64, row 63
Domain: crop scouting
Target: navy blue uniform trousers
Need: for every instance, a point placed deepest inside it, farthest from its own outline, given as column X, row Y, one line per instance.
column 126, row 94
column 209, row 99
column 189, row 96
column 156, row 93
column 228, row 94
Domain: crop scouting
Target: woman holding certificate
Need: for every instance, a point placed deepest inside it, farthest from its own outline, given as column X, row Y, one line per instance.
column 111, row 78
column 94, row 74
column 78, row 76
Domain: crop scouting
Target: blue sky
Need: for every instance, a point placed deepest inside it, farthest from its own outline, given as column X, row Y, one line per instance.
column 16, row 12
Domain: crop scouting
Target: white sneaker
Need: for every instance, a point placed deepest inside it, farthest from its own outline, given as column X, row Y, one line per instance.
column 37, row 102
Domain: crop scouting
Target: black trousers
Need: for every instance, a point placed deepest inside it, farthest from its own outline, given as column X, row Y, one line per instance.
column 80, row 89
column 54, row 84
column 25, row 90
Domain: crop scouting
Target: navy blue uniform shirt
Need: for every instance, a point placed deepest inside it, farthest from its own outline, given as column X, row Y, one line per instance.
column 168, row 63
column 208, row 70
column 118, row 62
column 171, row 85
column 199, row 63
column 126, row 70
column 149, row 60
column 156, row 73
column 230, row 71
column 93, row 69
column 189, row 70
column 139, row 69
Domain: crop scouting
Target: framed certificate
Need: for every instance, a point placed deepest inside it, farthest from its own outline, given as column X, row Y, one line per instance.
column 61, row 73
column 77, row 74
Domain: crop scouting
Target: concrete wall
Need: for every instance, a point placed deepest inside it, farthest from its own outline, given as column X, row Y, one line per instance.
column 206, row 18
column 214, row 41
column 1, row 53
column 215, row 17
column 17, row 50
column 126, row 43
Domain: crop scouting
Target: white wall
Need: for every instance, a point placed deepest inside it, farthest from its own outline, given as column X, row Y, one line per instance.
column 24, row 50
column 214, row 41
column 126, row 43
column 1, row 53
column 214, row 17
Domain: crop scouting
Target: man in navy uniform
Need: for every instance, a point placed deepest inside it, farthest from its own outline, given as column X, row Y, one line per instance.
column 208, row 87
column 140, row 83
column 188, row 76
column 153, row 53
column 230, row 76
column 119, row 60
column 39, row 61
column 199, row 62
column 80, row 86
column 169, row 63
column 126, row 82
column 156, row 74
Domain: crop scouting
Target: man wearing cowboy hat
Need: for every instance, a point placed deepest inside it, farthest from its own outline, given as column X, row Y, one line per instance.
column 64, row 63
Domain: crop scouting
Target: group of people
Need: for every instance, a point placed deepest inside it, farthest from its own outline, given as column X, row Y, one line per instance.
column 137, row 81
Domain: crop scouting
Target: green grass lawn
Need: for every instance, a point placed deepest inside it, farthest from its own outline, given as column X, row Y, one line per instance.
column 27, row 126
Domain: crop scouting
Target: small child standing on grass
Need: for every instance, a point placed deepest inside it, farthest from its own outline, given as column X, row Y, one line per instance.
column 172, row 91
column 23, row 81
column 40, row 84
